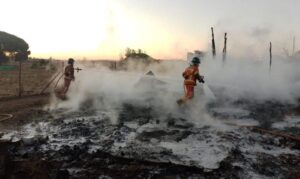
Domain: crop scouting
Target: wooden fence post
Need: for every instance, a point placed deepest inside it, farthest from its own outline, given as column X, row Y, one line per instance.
column 225, row 47
column 213, row 43
column 270, row 50
column 294, row 45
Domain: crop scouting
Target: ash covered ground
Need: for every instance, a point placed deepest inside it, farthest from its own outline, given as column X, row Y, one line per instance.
column 134, row 129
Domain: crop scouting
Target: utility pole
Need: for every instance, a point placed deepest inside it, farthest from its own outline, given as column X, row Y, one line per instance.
column 225, row 47
column 270, row 50
column 294, row 44
column 213, row 43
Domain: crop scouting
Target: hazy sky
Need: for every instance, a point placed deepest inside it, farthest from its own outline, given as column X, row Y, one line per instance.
column 102, row 29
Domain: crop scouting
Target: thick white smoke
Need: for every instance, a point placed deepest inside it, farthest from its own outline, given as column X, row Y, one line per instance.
column 252, row 79
column 236, row 79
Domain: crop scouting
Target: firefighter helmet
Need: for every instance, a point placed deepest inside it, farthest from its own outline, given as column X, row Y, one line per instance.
column 71, row 61
column 196, row 61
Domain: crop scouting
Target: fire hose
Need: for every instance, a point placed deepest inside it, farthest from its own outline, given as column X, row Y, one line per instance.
column 58, row 81
column 4, row 117
column 77, row 69
column 268, row 131
column 51, row 81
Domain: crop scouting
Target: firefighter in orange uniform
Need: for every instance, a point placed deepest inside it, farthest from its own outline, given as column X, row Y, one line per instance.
column 191, row 75
column 69, row 76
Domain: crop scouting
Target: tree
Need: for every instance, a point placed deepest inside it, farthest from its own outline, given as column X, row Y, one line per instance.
column 14, row 46
column 133, row 51
column 127, row 52
column 12, row 43
column 139, row 54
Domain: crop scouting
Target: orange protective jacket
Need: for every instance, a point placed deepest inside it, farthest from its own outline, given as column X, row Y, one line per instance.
column 191, row 74
column 69, row 72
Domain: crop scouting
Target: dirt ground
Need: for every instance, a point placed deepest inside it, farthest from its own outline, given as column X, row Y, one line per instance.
column 23, row 110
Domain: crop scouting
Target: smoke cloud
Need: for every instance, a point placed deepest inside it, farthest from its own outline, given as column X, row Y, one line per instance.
column 237, row 79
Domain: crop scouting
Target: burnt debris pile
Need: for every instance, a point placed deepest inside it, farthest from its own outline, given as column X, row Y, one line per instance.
column 143, row 143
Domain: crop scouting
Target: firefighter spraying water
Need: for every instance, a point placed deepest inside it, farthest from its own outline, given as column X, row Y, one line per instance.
column 191, row 75
column 68, row 78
